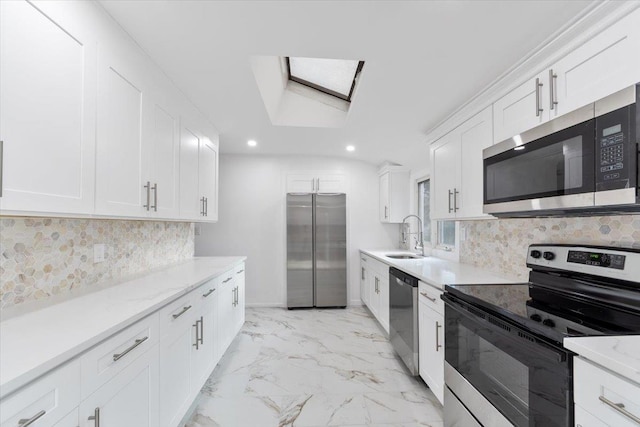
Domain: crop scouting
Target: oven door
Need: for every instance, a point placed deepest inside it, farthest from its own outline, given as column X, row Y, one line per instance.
column 554, row 171
column 529, row 381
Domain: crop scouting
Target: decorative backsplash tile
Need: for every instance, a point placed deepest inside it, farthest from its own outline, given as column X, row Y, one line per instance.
column 501, row 245
column 42, row 257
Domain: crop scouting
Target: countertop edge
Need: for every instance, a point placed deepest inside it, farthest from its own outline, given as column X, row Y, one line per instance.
column 34, row 373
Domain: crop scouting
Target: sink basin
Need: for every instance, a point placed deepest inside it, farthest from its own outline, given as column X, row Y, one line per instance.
column 404, row 256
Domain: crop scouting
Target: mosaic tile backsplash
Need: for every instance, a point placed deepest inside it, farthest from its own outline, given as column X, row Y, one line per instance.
column 501, row 245
column 42, row 257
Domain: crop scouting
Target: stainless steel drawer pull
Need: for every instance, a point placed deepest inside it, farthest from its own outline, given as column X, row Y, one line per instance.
column 240, row 271
column 455, row 200
column 136, row 343
column 438, row 345
column 538, row 109
column 226, row 280
column 148, row 188
column 450, row 194
column 95, row 417
column 24, row 422
column 209, row 293
column 553, row 78
column 619, row 407
column 184, row 310
column 155, row 198
column 428, row 297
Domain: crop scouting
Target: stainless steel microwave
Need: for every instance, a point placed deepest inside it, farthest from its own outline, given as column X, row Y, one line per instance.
column 582, row 163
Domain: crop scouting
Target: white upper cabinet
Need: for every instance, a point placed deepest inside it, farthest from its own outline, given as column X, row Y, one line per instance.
column 47, row 109
column 316, row 182
column 457, row 172
column 163, row 168
column 121, row 154
column 394, row 194
column 208, row 180
column 606, row 64
column 190, row 206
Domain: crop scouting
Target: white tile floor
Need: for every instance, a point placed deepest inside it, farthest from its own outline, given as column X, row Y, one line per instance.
column 313, row 368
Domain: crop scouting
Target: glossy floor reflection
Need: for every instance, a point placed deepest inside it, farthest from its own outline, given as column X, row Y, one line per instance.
column 313, row 368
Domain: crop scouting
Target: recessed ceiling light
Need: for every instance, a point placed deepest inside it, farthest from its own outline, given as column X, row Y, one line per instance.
column 519, row 147
column 351, row 148
column 252, row 143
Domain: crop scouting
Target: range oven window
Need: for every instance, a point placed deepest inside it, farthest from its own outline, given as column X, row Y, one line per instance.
column 527, row 380
column 558, row 164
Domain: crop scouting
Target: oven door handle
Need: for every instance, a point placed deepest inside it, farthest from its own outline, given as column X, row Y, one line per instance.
column 520, row 335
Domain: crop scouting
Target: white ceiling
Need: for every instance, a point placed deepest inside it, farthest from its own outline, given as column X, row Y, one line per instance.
column 423, row 60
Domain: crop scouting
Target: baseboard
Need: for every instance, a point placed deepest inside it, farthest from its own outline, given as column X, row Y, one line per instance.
column 355, row 303
column 264, row 305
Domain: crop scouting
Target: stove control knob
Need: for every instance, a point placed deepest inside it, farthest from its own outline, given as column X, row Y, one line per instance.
column 535, row 317
column 549, row 256
column 605, row 261
column 536, row 254
column 548, row 322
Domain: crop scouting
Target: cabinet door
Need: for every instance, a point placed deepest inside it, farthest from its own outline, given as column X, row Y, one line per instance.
column 445, row 163
column 301, row 183
column 47, row 109
column 383, row 300
column 604, row 65
column 204, row 353
column 175, row 382
column 431, row 353
column 584, row 419
column 225, row 315
column 516, row 111
column 123, row 113
column 208, row 178
column 331, row 183
column 129, row 399
column 190, row 204
column 240, row 298
column 72, row 419
column 374, row 296
column 364, row 282
column 384, row 197
column 475, row 135
column 165, row 153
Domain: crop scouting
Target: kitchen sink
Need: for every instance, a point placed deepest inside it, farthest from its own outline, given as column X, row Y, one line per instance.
column 404, row 256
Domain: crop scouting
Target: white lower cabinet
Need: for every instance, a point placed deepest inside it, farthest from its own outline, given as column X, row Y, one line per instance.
column 205, row 350
column 46, row 400
column 374, row 288
column 72, row 419
column 431, row 339
column 128, row 399
column 605, row 398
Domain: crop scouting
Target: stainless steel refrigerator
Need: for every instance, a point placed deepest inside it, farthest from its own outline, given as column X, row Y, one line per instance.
column 316, row 250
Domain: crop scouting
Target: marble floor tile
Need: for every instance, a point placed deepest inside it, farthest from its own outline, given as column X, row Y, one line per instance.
column 311, row 368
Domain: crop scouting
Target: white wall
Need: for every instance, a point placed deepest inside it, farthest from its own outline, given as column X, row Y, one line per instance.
column 252, row 220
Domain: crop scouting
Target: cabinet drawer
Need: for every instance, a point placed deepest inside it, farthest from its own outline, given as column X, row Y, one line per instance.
column 71, row 420
column 205, row 292
column 48, row 399
column 114, row 354
column 600, row 391
column 584, row 419
column 179, row 313
column 227, row 277
column 239, row 269
column 431, row 297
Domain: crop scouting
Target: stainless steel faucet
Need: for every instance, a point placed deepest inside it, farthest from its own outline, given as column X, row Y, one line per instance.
column 419, row 245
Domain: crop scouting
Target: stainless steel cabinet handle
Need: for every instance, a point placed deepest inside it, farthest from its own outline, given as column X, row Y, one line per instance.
column 538, row 109
column 233, row 298
column 209, row 293
column 199, row 333
column 386, row 214
column 438, row 345
column 455, row 200
column 184, row 310
column 362, row 274
column 225, row 281
column 155, row 197
column 148, row 188
column 1, row 164
column 136, row 343
column 553, row 100
column 95, row 417
column 450, row 194
column 201, row 330
column 24, row 422
column 364, row 259
column 202, row 206
column 240, row 271
column 424, row 294
column 619, row 407
column 206, row 206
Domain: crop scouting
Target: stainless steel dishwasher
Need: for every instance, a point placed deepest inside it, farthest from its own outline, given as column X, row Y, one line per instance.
column 403, row 317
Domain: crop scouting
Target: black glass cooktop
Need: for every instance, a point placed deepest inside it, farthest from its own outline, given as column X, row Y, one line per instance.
column 548, row 312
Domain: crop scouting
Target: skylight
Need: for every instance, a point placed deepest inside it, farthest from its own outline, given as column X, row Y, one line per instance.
column 336, row 77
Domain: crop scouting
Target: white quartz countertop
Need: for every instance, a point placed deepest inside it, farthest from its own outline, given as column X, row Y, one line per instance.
column 438, row 272
column 620, row 354
column 36, row 342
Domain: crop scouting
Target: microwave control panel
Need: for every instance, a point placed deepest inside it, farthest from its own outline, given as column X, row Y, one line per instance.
column 615, row 149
